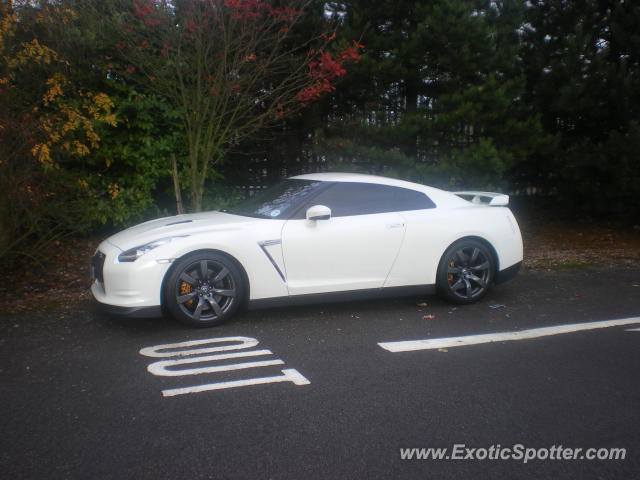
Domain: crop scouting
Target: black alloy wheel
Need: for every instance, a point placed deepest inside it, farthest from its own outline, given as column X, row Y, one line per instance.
column 204, row 289
column 465, row 272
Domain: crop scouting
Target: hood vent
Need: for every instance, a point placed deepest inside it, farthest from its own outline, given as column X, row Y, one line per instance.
column 177, row 223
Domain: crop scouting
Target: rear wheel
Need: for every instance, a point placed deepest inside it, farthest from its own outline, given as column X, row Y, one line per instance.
column 204, row 289
column 465, row 272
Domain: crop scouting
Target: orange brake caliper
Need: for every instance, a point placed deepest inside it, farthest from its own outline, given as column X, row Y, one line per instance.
column 185, row 288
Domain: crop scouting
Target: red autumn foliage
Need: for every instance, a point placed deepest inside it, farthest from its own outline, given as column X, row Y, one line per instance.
column 192, row 26
column 286, row 14
column 314, row 91
column 350, row 53
column 245, row 9
column 325, row 69
column 253, row 9
column 144, row 9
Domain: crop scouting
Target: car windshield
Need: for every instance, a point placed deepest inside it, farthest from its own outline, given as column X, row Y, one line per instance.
column 278, row 201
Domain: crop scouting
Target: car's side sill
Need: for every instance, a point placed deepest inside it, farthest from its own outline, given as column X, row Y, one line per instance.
column 351, row 295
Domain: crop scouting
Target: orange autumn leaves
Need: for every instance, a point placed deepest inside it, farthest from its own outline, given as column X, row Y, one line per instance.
column 66, row 116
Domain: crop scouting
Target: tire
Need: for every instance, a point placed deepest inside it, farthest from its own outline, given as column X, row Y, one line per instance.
column 465, row 272
column 204, row 289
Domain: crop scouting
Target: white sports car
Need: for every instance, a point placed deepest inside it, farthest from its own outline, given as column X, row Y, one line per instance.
column 311, row 238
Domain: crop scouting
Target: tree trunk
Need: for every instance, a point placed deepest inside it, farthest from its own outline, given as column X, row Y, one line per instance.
column 176, row 184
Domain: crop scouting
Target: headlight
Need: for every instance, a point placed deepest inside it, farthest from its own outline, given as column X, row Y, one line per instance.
column 134, row 253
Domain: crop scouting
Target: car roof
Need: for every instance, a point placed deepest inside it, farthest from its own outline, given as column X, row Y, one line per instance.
column 440, row 197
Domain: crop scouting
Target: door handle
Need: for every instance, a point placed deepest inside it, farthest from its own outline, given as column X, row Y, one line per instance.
column 395, row 225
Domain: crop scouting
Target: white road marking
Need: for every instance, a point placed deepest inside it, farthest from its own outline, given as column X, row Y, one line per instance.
column 156, row 351
column 181, row 349
column 160, row 368
column 435, row 343
column 633, row 329
column 289, row 375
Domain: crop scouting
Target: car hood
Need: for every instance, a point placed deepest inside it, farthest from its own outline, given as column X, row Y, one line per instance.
column 189, row 224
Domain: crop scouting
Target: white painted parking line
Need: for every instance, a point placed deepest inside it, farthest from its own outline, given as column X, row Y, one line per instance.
column 160, row 368
column 237, row 343
column 288, row 375
column 448, row 342
column 190, row 356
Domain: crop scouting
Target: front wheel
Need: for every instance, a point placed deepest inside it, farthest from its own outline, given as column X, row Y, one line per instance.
column 465, row 272
column 204, row 289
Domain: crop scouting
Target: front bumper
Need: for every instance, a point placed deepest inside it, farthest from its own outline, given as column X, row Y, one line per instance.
column 131, row 312
column 127, row 288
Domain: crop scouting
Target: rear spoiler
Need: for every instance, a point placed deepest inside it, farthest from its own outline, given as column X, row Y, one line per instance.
column 485, row 198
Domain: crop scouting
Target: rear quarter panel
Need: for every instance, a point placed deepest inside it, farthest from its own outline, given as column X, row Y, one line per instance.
column 430, row 232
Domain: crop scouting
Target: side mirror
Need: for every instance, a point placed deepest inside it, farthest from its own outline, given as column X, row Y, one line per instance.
column 318, row 212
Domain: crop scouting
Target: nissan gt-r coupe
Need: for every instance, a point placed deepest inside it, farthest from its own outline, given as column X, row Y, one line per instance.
column 311, row 238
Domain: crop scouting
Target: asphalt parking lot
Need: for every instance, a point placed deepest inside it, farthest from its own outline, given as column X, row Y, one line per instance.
column 310, row 392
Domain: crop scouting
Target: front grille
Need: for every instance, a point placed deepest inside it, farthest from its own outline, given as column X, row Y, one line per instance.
column 97, row 263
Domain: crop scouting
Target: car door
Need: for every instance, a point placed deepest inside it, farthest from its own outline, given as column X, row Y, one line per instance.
column 352, row 250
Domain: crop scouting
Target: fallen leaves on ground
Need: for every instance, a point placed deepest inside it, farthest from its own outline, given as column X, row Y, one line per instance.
column 552, row 245
column 61, row 281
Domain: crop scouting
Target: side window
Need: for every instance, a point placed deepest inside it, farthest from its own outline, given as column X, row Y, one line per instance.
column 350, row 198
column 406, row 199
